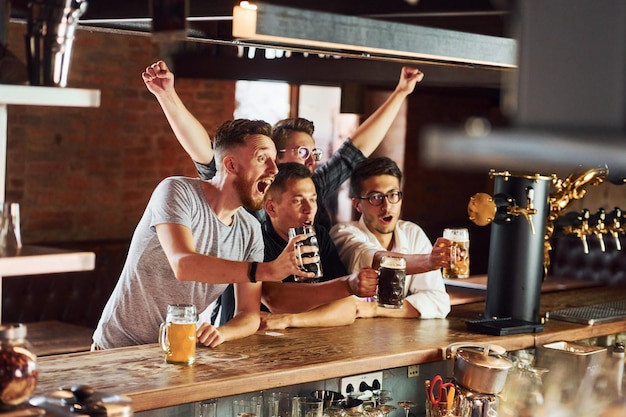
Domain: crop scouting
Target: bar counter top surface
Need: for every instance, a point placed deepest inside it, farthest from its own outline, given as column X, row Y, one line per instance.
column 293, row 356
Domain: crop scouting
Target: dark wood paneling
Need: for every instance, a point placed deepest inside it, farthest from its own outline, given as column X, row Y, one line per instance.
column 437, row 197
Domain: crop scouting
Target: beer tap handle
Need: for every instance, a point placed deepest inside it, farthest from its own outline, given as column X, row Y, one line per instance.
column 583, row 238
column 600, row 229
column 584, row 229
column 616, row 228
column 530, row 222
column 530, row 196
column 530, row 208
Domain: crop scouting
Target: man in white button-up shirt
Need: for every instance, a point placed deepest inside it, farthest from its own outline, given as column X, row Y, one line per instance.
column 376, row 194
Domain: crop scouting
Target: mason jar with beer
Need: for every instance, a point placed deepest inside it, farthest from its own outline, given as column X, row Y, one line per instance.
column 177, row 336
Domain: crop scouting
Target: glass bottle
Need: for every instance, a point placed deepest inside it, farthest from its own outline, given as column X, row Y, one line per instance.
column 10, row 236
column 18, row 366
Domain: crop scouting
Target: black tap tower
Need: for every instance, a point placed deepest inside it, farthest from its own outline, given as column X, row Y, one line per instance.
column 516, row 255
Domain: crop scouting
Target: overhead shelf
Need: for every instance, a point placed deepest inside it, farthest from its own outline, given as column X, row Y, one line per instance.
column 49, row 96
column 34, row 260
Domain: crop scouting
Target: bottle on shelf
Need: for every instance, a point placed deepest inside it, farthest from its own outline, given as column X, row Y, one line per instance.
column 10, row 236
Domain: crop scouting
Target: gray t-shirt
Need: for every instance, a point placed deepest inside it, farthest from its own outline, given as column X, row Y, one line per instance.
column 147, row 283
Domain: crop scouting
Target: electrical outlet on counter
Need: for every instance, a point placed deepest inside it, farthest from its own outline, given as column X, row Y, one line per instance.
column 357, row 384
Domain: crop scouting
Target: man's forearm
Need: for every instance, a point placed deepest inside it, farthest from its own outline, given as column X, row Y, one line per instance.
column 338, row 313
column 369, row 309
column 188, row 130
column 242, row 325
column 415, row 263
column 372, row 131
column 292, row 297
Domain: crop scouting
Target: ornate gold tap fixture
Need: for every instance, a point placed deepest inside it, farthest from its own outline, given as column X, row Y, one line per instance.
column 484, row 209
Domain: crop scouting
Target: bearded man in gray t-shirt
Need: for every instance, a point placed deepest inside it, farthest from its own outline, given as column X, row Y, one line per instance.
column 194, row 238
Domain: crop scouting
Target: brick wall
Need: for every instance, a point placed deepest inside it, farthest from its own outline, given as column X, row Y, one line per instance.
column 87, row 173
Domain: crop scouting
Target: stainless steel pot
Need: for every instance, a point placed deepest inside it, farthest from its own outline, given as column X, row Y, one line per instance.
column 479, row 367
column 330, row 398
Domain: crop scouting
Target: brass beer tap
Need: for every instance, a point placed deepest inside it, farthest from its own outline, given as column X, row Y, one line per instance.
column 581, row 231
column 600, row 229
column 527, row 212
column 567, row 190
column 484, row 209
column 616, row 226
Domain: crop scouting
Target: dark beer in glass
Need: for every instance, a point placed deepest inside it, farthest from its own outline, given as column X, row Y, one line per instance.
column 391, row 274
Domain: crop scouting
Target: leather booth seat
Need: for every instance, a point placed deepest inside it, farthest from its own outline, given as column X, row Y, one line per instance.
column 72, row 297
column 569, row 260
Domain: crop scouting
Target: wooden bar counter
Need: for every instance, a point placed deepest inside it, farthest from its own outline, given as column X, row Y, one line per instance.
column 294, row 356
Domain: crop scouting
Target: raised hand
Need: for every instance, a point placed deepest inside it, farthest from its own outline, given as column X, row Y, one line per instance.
column 409, row 77
column 158, row 78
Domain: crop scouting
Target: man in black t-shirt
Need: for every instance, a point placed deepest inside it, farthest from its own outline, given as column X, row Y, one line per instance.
column 291, row 201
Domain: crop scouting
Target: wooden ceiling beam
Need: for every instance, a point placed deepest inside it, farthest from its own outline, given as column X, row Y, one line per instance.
column 287, row 26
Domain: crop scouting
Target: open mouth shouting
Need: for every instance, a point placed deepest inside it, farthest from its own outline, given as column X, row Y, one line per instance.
column 264, row 184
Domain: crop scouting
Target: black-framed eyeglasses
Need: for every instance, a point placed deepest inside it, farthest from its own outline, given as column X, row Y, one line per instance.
column 376, row 199
column 303, row 152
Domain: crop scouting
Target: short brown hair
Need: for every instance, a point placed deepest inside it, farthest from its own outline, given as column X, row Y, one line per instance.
column 235, row 132
column 284, row 127
column 287, row 171
column 372, row 167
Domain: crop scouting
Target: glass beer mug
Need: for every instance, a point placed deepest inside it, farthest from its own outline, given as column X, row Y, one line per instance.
column 391, row 274
column 177, row 336
column 311, row 240
column 459, row 253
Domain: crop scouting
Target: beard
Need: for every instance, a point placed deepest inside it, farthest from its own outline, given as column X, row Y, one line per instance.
column 244, row 191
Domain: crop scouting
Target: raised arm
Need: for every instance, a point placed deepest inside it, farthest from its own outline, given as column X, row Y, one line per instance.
column 192, row 136
column 372, row 131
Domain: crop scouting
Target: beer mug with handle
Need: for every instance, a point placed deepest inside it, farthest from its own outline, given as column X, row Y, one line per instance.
column 177, row 336
column 391, row 276
column 459, row 253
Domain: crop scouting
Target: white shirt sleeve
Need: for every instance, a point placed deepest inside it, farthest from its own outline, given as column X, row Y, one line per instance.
column 427, row 294
column 355, row 247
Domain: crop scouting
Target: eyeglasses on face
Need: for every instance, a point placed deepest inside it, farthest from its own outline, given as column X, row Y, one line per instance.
column 303, row 152
column 376, row 199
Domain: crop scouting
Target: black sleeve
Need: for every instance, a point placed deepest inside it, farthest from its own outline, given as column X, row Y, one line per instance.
column 332, row 266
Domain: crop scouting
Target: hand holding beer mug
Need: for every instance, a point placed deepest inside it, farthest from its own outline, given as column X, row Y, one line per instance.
column 177, row 336
column 391, row 274
column 311, row 240
column 459, row 253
